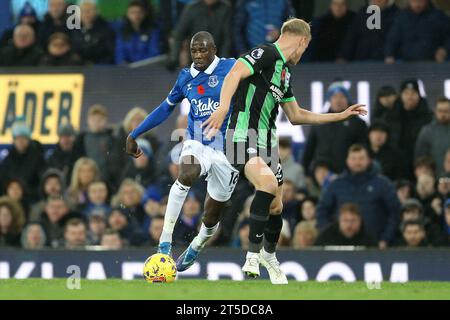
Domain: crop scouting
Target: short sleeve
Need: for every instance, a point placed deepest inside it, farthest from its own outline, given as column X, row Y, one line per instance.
column 258, row 58
column 176, row 95
column 288, row 96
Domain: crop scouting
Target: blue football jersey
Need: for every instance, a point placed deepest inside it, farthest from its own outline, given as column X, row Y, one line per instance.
column 202, row 89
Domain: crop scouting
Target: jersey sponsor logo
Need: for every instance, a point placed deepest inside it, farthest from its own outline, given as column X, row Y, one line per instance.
column 257, row 53
column 213, row 81
column 251, row 151
column 276, row 93
column 201, row 89
column 202, row 109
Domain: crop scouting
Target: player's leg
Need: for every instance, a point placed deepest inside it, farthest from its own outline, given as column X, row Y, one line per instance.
column 222, row 179
column 271, row 236
column 210, row 223
column 266, row 185
column 190, row 170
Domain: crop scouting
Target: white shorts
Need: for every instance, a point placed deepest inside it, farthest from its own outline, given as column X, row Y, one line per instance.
column 222, row 177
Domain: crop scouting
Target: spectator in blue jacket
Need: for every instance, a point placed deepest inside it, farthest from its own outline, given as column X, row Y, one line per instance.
column 259, row 21
column 138, row 38
column 373, row 193
column 420, row 32
column 362, row 43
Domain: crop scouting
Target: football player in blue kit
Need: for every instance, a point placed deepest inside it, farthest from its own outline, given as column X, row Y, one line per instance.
column 201, row 85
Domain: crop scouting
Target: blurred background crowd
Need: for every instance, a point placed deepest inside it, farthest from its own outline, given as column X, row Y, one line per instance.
column 122, row 32
column 381, row 185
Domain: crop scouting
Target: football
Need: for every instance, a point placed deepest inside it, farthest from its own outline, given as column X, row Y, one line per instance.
column 160, row 268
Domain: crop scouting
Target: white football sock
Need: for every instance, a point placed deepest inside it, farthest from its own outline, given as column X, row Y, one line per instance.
column 203, row 236
column 177, row 195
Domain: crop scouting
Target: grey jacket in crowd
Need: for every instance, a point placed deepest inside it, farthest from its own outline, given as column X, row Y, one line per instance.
column 197, row 16
column 434, row 141
column 294, row 172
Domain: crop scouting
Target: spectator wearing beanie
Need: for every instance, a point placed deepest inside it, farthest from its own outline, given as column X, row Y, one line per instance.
column 409, row 115
column 386, row 97
column 331, row 141
column 26, row 16
column 25, row 159
column 386, row 156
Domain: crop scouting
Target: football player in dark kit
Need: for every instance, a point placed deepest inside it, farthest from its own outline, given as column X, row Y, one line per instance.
column 259, row 82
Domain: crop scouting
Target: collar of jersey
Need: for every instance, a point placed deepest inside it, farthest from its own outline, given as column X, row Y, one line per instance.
column 279, row 51
column 209, row 70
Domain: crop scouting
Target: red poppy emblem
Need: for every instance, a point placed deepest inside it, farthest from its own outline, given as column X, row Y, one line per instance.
column 200, row 89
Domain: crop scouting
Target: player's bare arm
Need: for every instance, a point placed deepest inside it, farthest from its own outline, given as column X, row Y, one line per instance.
column 231, row 82
column 298, row 115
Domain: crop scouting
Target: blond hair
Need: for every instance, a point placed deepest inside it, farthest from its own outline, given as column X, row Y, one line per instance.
column 75, row 185
column 117, row 199
column 305, row 227
column 297, row 27
column 136, row 111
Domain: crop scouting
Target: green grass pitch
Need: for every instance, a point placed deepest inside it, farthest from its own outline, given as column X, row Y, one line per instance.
column 218, row 290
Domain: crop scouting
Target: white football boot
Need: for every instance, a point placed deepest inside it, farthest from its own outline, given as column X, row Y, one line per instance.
column 251, row 266
column 273, row 268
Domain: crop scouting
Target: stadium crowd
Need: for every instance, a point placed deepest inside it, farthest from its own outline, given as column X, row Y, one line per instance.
column 383, row 185
column 419, row 31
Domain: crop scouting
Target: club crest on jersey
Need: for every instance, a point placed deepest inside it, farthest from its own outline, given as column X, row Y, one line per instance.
column 213, row 81
column 257, row 53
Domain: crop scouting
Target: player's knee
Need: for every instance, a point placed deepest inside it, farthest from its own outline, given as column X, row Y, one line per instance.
column 269, row 186
column 277, row 208
column 189, row 174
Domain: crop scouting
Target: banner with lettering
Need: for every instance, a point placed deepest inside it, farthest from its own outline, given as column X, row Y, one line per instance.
column 44, row 101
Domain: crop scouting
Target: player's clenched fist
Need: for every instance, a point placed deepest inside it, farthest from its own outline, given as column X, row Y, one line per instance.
column 132, row 148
